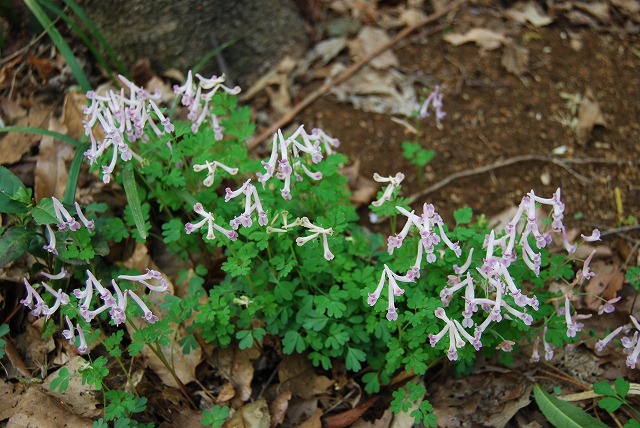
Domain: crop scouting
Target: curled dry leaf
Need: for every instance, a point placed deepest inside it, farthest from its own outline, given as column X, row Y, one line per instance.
column 278, row 408
column 252, row 415
column 368, row 40
column 515, row 59
column 589, row 115
column 237, row 367
column 487, row 40
column 529, row 11
column 605, row 284
column 72, row 115
column 297, row 374
column 32, row 346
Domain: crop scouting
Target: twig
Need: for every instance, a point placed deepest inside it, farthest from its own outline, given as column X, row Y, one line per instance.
column 267, row 133
column 622, row 229
column 563, row 163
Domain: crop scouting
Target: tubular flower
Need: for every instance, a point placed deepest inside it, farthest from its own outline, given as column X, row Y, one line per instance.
column 211, row 170
column 434, row 100
column 394, row 290
column 146, row 313
column 163, row 285
column 65, row 220
column 251, row 194
column 51, row 246
column 315, row 232
column 211, row 225
column 394, row 183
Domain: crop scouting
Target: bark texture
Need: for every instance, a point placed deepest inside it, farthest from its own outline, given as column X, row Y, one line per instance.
column 180, row 33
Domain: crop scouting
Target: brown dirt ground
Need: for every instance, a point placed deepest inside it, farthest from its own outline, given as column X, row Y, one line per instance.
column 493, row 115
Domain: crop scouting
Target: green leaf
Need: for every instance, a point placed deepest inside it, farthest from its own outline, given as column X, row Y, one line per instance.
column 10, row 185
column 215, row 417
column 131, row 189
column 43, row 213
column 603, row 388
column 172, row 230
column 562, row 414
column 622, row 387
column 293, row 341
column 13, row 243
column 463, row 215
column 353, row 359
column 41, row 131
column 74, row 174
column 610, row 404
column 61, row 383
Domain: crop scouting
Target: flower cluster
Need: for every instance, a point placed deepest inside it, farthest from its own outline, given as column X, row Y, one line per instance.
column 251, row 194
column 630, row 344
column 315, row 230
column 115, row 305
column 123, row 118
column 502, row 296
column 65, row 222
column 434, row 100
column 197, row 98
column 287, row 157
column 394, row 182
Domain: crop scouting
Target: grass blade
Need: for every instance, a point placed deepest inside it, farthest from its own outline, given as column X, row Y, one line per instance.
column 98, row 35
column 74, row 173
column 60, row 43
column 562, row 414
column 80, row 34
column 131, row 190
column 31, row 130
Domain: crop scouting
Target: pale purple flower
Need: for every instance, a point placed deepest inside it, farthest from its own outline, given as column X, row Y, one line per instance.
column 394, row 183
column 89, row 224
column 51, row 246
column 595, row 236
column 607, row 307
column 315, row 232
column 211, row 225
column 211, row 170
column 33, row 300
column 506, row 346
column 117, row 311
column 163, row 285
column 535, row 355
column 146, row 313
column 65, row 220
column 60, row 275
column 68, row 334
column 600, row 344
column 434, row 100
column 83, row 348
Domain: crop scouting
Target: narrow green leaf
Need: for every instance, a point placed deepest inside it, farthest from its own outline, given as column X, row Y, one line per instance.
column 9, row 186
column 33, row 130
column 131, row 189
column 13, row 243
column 562, row 414
column 60, row 43
column 74, row 174
column 98, row 35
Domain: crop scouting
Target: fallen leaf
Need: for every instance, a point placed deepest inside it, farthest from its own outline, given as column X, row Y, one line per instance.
column 597, row 9
column 511, row 407
column 314, row 421
column 605, row 284
column 383, row 422
column 529, row 11
column 51, row 172
column 38, row 409
column 72, row 115
column 252, row 415
column 32, row 346
column 78, row 395
column 227, row 392
column 368, row 40
column 297, row 374
column 485, row 39
column 237, row 367
column 10, row 396
column 515, row 59
column 14, row 145
column 589, row 115
column 278, row 408
column 45, row 68
column 347, row 418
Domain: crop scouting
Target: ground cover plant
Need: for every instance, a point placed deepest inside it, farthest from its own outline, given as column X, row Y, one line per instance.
column 275, row 258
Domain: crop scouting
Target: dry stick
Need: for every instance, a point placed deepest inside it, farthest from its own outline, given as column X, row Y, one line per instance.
column 267, row 133
column 564, row 163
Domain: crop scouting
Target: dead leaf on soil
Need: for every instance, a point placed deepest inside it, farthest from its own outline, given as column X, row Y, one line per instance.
column 252, row 415
column 297, row 374
column 383, row 422
column 33, row 347
column 314, row 421
column 529, row 11
column 78, row 395
column 363, row 190
column 589, row 115
column 515, row 59
column 38, row 409
column 278, row 408
column 237, row 367
column 606, row 283
column 72, row 116
column 350, row 416
column 10, row 396
column 51, row 172
column 368, row 40
column 487, row 40
column 277, row 78
column 14, row 145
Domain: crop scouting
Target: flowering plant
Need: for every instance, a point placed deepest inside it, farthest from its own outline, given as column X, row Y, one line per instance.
column 296, row 266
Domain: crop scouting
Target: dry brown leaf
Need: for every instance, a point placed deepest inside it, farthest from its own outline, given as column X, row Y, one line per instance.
column 227, row 392
column 38, row 409
column 186, row 419
column 347, row 418
column 606, row 283
column 515, row 59
column 51, row 172
column 77, row 395
column 297, row 374
column 368, row 40
column 11, row 110
column 486, row 39
column 72, row 115
column 383, row 422
column 32, row 346
column 598, row 9
column 589, row 115
column 15, row 144
column 278, row 408
column 631, row 7
column 252, row 415
column 235, row 365
column 529, row 11
column 314, row 421
column 10, row 396
column 511, row 407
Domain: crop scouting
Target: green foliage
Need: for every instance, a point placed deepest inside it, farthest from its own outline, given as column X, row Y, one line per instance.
column 61, row 383
column 14, row 242
column 215, row 416
column 633, row 276
column 4, row 330
column 406, row 398
column 613, row 400
column 93, row 373
column 417, row 155
column 14, row 197
column 122, row 404
column 562, row 413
